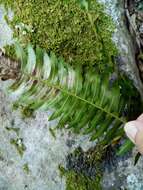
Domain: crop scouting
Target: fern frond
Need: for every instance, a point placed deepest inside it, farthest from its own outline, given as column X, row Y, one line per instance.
column 86, row 103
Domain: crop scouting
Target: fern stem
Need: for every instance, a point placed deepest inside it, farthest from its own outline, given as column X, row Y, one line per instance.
column 92, row 104
column 78, row 97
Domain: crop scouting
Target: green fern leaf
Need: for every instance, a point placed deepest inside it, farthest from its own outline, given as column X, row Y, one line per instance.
column 85, row 104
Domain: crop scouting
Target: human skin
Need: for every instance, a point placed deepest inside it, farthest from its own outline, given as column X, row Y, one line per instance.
column 134, row 130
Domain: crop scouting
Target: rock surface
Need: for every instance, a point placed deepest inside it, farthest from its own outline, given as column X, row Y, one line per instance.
column 121, row 174
column 5, row 31
column 127, row 58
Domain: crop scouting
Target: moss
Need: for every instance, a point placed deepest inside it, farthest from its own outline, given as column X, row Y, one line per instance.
column 83, row 169
column 10, row 51
column 26, row 111
column 79, row 182
column 81, row 37
column 18, row 143
column 52, row 131
column 26, row 168
column 87, row 163
column 140, row 56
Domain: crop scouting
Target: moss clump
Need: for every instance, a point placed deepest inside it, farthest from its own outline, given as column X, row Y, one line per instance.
column 81, row 37
column 26, row 168
column 78, row 181
column 84, row 169
column 10, row 51
column 26, row 111
column 87, row 163
column 18, row 143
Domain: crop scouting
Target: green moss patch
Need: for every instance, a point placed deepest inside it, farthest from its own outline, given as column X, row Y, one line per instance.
column 79, row 181
column 20, row 147
column 81, row 37
column 84, row 169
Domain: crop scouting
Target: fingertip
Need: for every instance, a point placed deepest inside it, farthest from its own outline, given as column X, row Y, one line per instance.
column 140, row 118
column 131, row 130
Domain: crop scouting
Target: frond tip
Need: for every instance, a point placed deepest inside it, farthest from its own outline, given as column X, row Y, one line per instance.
column 85, row 103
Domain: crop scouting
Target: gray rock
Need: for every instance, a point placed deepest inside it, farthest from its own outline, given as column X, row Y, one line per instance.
column 123, row 40
column 6, row 33
column 124, row 175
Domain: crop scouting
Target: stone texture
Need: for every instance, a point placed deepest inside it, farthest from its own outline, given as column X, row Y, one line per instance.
column 124, row 175
column 5, row 31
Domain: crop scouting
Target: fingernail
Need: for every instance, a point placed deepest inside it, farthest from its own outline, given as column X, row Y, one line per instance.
column 131, row 131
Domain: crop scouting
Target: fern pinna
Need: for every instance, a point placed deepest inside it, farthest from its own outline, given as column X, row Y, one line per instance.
column 85, row 103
